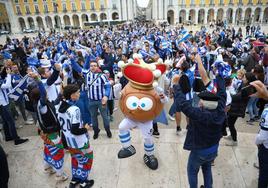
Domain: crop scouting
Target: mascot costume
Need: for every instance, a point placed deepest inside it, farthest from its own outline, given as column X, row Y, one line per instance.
column 140, row 103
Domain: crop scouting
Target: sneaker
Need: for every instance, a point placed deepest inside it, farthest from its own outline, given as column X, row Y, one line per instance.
column 115, row 109
column 257, row 118
column 49, row 171
column 228, row 137
column 62, row 177
column 178, row 130
column 28, row 122
column 231, row 143
column 87, row 184
column 202, row 186
column 171, row 118
column 30, row 119
column 251, row 122
column 109, row 134
column 150, row 161
column 73, row 184
column 156, row 134
column 96, row 134
column 126, row 152
column 21, row 141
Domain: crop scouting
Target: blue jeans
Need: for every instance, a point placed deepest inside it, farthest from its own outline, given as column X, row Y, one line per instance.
column 8, row 123
column 196, row 161
column 252, row 107
column 83, row 105
column 93, row 108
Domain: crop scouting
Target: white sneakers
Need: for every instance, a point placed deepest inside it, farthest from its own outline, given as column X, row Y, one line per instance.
column 231, row 143
column 28, row 122
column 62, row 177
column 171, row 118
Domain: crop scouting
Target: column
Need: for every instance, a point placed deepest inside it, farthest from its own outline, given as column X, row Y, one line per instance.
column 27, row 25
column 135, row 9
column 81, row 21
column 196, row 17
column 35, row 23
column 261, row 16
column 160, row 6
column 130, row 9
column 243, row 15
column 234, row 15
column 13, row 19
column 176, row 14
column 164, row 10
column 154, row 9
column 187, row 15
column 206, row 17
column 124, row 10
column 120, row 10
column 71, row 21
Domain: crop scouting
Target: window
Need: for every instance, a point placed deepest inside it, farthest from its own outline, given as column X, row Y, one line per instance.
column 211, row 2
column 83, row 6
column 92, row 5
column 16, row 1
column 114, row 6
column 64, row 7
column 249, row 1
column 25, row 1
column 35, row 1
column 183, row 2
column 170, row 2
column 36, row 8
column 192, row 2
column 202, row 2
column 221, row 2
column 27, row 9
column 45, row 8
column 55, row 7
column 231, row 2
column 73, row 7
column 102, row 7
column 18, row 9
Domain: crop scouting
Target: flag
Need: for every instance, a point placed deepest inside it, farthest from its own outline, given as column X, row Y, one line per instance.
column 17, row 91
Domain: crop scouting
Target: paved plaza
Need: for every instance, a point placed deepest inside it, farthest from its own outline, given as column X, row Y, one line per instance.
column 233, row 166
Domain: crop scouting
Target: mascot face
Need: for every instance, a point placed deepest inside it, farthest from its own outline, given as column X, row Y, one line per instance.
column 140, row 105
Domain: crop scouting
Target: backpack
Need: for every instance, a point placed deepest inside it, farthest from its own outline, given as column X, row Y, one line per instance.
column 48, row 122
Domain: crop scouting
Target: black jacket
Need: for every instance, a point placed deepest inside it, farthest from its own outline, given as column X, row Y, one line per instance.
column 205, row 126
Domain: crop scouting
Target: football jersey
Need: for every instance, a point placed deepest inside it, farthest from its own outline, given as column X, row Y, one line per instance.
column 67, row 119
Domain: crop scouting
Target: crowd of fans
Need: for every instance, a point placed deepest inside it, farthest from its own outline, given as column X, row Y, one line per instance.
column 45, row 74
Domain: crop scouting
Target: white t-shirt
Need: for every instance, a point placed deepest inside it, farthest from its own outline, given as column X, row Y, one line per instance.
column 72, row 116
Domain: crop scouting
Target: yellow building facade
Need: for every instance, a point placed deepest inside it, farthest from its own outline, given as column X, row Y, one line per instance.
column 47, row 14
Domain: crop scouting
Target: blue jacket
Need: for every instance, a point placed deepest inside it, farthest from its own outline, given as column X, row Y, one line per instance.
column 205, row 126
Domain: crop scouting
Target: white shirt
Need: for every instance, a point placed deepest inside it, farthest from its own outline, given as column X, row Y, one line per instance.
column 262, row 137
column 4, row 90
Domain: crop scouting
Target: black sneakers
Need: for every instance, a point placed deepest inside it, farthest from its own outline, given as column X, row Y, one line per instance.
column 156, row 134
column 109, row 134
column 126, row 152
column 178, row 130
column 150, row 161
column 96, row 134
column 73, row 184
column 87, row 184
column 21, row 141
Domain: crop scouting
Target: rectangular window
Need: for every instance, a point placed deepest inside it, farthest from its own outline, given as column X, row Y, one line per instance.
column 192, row 2
column 102, row 7
column 64, row 7
column 55, row 7
column 16, row 1
column 73, row 7
column 170, row 2
column 211, row 2
column 92, row 5
column 114, row 6
column 183, row 2
column 83, row 6
column 202, row 2
column 36, row 8
column 45, row 8
column 27, row 9
column 18, row 9
column 221, row 2
column 25, row 1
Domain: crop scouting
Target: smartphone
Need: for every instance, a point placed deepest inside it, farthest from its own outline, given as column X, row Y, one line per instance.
column 248, row 90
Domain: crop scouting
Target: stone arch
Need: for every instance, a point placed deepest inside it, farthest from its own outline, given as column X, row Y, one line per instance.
column 84, row 18
column 57, row 20
column 170, row 17
column 201, row 16
column 265, row 16
column 93, row 17
column 211, row 15
column 257, row 14
column 229, row 15
column 182, row 16
column 238, row 16
column 76, row 20
column 22, row 23
column 220, row 14
column 103, row 16
column 248, row 18
column 49, row 23
column 192, row 16
column 66, row 20
column 40, row 23
column 115, row 16
column 31, row 23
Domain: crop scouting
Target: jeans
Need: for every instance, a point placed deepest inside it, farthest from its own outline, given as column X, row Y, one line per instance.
column 263, row 167
column 194, row 162
column 93, row 108
column 83, row 105
column 252, row 107
column 20, row 103
column 8, row 123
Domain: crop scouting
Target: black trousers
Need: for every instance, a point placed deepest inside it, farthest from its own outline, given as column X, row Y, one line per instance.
column 263, row 167
column 4, row 173
column 231, row 124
